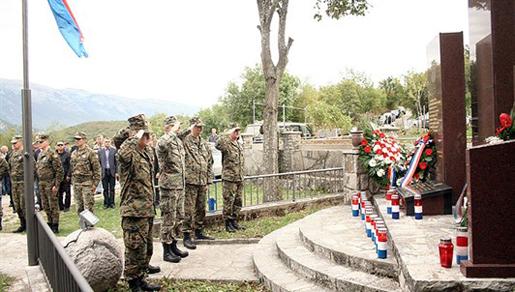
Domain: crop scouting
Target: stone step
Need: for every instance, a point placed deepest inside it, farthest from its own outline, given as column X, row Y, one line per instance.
column 323, row 271
column 274, row 274
column 335, row 235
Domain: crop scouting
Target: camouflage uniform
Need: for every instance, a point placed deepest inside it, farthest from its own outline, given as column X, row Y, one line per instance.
column 85, row 170
column 170, row 153
column 16, row 172
column 232, row 176
column 137, row 205
column 50, row 173
column 198, row 174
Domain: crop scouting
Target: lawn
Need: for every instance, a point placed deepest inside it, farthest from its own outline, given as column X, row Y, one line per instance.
column 173, row 285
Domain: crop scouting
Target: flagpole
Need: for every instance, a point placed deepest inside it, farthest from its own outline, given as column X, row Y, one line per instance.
column 28, row 165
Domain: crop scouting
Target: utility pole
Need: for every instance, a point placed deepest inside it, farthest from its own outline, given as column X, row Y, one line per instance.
column 28, row 165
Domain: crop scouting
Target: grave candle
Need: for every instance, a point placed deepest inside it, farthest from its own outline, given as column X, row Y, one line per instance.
column 418, row 206
column 379, row 225
column 368, row 225
column 373, row 219
column 389, row 201
column 461, row 244
column 395, row 206
column 381, row 243
column 355, row 205
column 445, row 249
column 363, row 207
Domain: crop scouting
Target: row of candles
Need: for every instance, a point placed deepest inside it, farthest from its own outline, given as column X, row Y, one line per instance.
column 375, row 227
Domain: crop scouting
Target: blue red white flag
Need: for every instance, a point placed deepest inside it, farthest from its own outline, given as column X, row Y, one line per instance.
column 68, row 26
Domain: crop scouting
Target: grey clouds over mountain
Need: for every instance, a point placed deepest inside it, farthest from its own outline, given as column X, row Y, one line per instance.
column 68, row 107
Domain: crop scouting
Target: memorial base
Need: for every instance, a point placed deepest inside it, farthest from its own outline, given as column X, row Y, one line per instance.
column 471, row 270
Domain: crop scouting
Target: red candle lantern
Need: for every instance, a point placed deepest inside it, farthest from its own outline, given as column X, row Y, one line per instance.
column 446, row 249
column 418, row 206
column 395, row 206
column 355, row 205
column 389, row 201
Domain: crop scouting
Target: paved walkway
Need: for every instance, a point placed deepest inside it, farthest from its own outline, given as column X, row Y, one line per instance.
column 223, row 262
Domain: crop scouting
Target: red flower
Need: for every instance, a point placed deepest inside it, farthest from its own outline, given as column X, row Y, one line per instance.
column 367, row 149
column 416, row 175
column 426, row 138
column 429, row 152
column 379, row 151
column 505, row 120
column 381, row 135
column 422, row 165
column 364, row 142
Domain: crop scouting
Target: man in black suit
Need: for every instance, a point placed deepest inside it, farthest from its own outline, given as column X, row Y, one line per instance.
column 64, row 187
column 107, row 156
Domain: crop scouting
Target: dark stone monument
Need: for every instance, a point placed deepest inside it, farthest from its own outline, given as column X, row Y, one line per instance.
column 492, row 48
column 446, row 76
column 491, row 190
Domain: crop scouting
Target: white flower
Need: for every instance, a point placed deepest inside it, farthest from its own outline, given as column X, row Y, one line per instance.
column 372, row 163
column 493, row 140
column 380, row 172
column 379, row 157
column 387, row 160
column 385, row 150
column 376, row 147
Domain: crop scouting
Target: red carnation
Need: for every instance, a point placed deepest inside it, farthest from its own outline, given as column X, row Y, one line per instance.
column 364, row 142
column 429, row 152
column 367, row 149
column 416, row 176
column 381, row 135
column 379, row 151
column 422, row 165
column 505, row 120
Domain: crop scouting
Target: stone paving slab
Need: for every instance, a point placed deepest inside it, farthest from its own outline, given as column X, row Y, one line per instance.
column 274, row 274
column 416, row 246
column 334, row 234
column 322, row 270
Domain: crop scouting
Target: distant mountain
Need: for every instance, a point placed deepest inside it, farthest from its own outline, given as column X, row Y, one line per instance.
column 68, row 107
column 4, row 126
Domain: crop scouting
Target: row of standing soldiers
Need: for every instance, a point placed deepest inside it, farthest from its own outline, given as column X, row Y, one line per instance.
column 85, row 174
column 185, row 173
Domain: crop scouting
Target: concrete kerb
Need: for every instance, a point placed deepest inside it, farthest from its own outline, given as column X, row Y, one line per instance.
column 264, row 210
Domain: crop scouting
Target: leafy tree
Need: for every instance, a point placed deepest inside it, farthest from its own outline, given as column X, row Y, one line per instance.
column 394, row 92
column 273, row 71
column 416, row 92
column 214, row 117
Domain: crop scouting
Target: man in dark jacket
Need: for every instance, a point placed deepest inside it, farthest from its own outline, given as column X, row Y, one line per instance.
column 64, row 188
column 107, row 159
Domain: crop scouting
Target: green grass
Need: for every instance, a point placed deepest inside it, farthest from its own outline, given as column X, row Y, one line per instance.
column 261, row 226
column 173, row 285
column 6, row 281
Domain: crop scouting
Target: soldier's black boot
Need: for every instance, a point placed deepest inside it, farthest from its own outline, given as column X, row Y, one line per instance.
column 187, row 241
column 174, row 249
column 0, row 223
column 168, row 256
column 199, row 235
column 153, row 269
column 22, row 227
column 146, row 286
column 56, row 228
column 135, row 285
column 236, row 226
column 228, row 226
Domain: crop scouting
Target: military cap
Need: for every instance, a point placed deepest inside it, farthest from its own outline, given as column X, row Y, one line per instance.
column 16, row 139
column 196, row 121
column 234, row 127
column 80, row 135
column 138, row 122
column 42, row 137
column 170, row 121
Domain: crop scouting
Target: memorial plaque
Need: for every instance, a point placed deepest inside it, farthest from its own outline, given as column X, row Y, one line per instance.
column 491, row 191
column 436, row 198
column 446, row 76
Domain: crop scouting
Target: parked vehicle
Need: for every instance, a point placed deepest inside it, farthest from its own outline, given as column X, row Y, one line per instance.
column 257, row 132
column 217, row 161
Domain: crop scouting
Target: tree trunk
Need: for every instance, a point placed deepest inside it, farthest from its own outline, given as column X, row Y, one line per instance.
column 271, row 141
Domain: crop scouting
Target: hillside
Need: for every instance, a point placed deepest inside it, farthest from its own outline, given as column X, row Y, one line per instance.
column 92, row 129
column 68, row 107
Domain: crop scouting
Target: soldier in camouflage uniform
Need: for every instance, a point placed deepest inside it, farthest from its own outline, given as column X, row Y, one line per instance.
column 4, row 169
column 170, row 153
column 232, row 176
column 50, row 173
column 137, row 203
column 85, row 170
column 198, row 175
column 16, row 172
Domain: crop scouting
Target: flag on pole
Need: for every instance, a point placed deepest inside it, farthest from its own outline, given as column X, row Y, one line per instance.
column 68, row 26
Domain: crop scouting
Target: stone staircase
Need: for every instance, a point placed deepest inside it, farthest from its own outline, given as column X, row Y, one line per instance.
column 326, row 251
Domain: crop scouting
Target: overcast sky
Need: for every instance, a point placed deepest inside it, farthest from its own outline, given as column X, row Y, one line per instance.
column 187, row 51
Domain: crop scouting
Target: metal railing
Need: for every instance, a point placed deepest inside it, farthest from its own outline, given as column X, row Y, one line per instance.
column 60, row 270
column 290, row 186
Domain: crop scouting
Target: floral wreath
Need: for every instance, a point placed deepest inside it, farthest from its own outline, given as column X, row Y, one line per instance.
column 378, row 153
column 427, row 160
